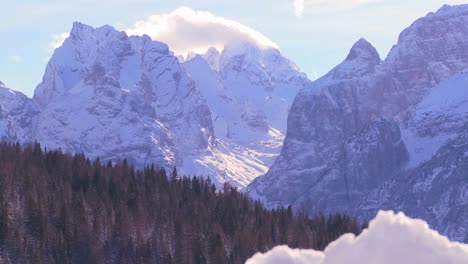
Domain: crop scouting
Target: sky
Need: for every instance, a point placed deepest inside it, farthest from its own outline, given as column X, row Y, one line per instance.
column 314, row 34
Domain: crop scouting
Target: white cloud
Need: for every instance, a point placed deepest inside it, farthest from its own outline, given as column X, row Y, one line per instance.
column 298, row 7
column 391, row 238
column 186, row 30
column 324, row 6
column 15, row 58
column 57, row 40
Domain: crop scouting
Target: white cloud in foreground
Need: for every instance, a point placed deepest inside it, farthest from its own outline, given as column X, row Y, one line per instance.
column 186, row 30
column 391, row 238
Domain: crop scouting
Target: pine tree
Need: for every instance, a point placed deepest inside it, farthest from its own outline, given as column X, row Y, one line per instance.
column 174, row 174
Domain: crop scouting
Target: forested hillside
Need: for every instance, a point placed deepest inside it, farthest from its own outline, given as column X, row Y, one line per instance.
column 59, row 208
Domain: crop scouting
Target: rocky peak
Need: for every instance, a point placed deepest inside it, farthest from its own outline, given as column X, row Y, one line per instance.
column 1, row 84
column 198, row 60
column 212, row 56
column 83, row 31
column 362, row 59
column 362, row 49
column 79, row 29
column 190, row 55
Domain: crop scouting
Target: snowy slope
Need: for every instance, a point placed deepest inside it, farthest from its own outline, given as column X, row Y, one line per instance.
column 249, row 91
column 438, row 119
column 16, row 115
column 344, row 140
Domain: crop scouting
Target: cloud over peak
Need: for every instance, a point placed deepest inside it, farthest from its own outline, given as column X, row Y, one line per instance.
column 186, row 30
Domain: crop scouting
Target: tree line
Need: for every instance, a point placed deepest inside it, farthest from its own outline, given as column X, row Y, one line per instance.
column 63, row 208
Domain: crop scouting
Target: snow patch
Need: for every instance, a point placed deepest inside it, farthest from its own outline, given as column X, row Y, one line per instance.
column 447, row 101
column 450, row 96
column 390, row 238
column 422, row 149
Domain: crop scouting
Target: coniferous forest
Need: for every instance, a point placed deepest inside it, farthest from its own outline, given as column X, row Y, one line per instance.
column 62, row 208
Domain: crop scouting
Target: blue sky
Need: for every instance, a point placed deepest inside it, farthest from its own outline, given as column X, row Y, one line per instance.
column 315, row 34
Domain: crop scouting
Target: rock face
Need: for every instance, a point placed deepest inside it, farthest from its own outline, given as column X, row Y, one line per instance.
column 348, row 144
column 110, row 95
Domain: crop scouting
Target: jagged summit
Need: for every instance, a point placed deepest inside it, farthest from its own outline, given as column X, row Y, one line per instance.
column 212, row 57
column 78, row 28
column 453, row 8
column 98, row 36
column 100, row 55
column 362, row 49
column 212, row 50
column 362, row 59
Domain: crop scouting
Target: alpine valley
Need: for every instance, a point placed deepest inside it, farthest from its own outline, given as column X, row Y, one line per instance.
column 371, row 134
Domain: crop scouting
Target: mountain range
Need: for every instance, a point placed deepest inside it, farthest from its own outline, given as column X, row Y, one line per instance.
column 114, row 96
column 371, row 134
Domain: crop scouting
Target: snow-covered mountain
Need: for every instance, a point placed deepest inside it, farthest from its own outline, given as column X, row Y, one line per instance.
column 16, row 115
column 249, row 91
column 389, row 134
column 115, row 96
